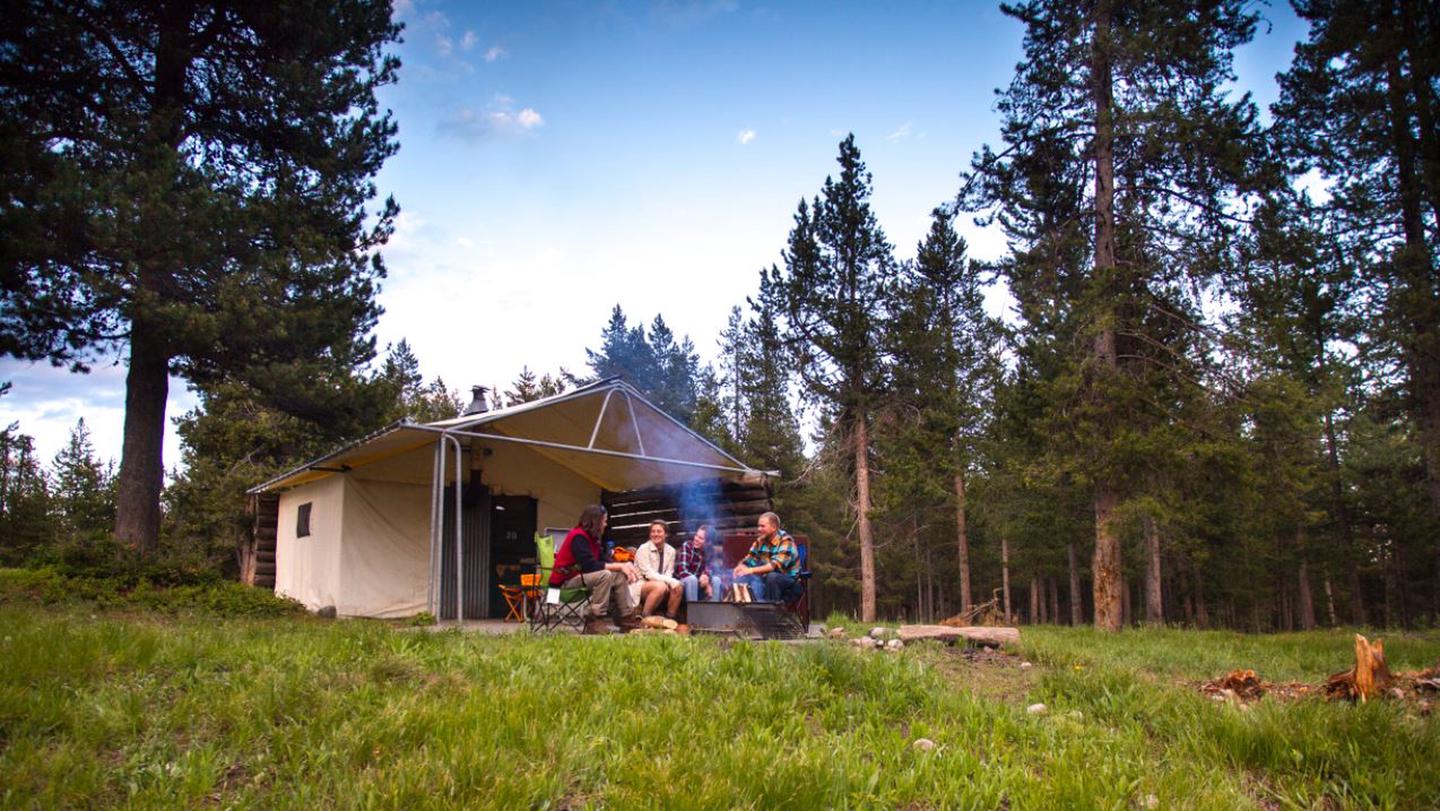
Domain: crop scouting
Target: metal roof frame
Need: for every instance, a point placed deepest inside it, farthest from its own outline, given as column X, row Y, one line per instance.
column 459, row 426
column 595, row 451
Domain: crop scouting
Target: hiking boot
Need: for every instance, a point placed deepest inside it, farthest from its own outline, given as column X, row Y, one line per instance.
column 596, row 626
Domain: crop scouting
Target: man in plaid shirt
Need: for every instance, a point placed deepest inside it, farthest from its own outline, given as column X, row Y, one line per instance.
column 772, row 565
column 691, row 567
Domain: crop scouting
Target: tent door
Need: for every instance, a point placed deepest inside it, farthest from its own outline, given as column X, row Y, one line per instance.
column 476, row 541
column 512, row 544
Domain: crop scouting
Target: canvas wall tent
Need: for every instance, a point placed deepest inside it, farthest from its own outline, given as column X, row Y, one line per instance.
column 431, row 516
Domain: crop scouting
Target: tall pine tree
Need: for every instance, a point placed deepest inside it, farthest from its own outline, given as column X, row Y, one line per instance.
column 191, row 183
column 1126, row 97
column 1359, row 104
column 832, row 299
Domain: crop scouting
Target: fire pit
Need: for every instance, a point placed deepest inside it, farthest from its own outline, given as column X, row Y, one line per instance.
column 747, row 620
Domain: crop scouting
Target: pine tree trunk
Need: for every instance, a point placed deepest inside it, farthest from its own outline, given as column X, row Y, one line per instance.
column 142, row 468
column 962, row 538
column 1005, row 577
column 867, row 538
column 1077, row 608
column 1106, row 562
column 147, row 383
column 1054, row 610
column 1037, row 615
column 1390, row 595
column 1307, row 604
column 1154, row 596
column 1109, row 592
column 919, row 574
column 1330, row 601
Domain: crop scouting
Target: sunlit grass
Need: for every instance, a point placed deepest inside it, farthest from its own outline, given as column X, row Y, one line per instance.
column 296, row 713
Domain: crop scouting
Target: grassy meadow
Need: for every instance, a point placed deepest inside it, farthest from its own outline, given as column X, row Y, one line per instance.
column 146, row 709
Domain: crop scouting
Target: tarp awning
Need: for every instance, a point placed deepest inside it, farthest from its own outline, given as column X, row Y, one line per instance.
column 607, row 432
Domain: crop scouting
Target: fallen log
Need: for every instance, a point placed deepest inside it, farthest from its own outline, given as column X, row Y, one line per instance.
column 980, row 634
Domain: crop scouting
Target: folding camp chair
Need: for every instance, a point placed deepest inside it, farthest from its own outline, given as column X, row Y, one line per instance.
column 514, row 602
column 552, row 607
column 799, row 605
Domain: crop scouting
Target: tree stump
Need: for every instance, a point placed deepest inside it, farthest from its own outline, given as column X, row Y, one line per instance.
column 1369, row 676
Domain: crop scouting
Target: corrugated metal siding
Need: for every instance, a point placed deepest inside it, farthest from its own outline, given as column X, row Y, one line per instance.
column 475, row 530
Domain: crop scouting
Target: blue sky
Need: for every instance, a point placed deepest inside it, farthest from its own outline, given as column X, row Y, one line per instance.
column 558, row 158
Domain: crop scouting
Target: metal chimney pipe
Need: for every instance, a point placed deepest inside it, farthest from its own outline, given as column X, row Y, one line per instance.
column 479, row 405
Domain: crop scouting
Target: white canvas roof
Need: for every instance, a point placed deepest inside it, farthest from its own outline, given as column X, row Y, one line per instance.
column 606, row 432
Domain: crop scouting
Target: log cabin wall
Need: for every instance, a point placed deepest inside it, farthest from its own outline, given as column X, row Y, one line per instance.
column 724, row 504
column 257, row 550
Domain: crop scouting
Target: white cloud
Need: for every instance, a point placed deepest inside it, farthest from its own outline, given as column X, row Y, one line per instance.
column 468, row 41
column 745, row 136
column 495, row 52
column 444, row 45
column 500, row 119
column 901, row 133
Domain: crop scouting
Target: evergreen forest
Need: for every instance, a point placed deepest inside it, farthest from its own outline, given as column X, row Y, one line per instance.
column 1212, row 399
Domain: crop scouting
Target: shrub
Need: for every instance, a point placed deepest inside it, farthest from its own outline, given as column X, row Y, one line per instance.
column 136, row 590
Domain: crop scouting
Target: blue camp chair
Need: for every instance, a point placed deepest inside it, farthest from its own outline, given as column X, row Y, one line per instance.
column 570, row 609
column 799, row 605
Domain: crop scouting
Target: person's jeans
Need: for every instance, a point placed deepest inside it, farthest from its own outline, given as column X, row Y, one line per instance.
column 692, row 587
column 771, row 587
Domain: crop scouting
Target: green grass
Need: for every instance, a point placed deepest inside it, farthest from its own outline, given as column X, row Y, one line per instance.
column 153, row 710
column 1185, row 654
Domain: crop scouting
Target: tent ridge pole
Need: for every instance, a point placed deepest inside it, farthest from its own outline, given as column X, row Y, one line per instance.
column 601, row 451
column 635, row 424
column 599, row 418
column 629, row 389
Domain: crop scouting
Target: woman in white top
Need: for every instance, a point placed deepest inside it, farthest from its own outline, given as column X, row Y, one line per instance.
column 656, row 561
